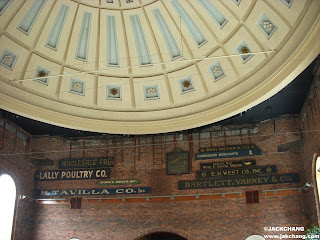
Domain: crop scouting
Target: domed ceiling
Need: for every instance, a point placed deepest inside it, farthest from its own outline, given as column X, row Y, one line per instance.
column 150, row 66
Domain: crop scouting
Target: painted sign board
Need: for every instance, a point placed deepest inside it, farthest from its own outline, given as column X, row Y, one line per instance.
column 227, row 164
column 100, row 191
column 228, row 172
column 228, row 154
column 228, row 148
column 72, row 174
column 86, row 163
column 237, row 182
column 118, row 182
column 178, row 162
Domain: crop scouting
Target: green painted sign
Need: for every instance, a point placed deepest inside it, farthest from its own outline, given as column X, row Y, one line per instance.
column 237, row 182
column 178, row 162
column 227, row 164
column 118, row 182
column 237, row 172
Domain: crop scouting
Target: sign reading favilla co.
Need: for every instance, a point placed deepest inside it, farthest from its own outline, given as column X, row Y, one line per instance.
column 105, row 191
column 72, row 174
column 227, row 152
column 86, row 163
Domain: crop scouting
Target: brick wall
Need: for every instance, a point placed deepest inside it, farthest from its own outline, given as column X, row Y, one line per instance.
column 16, row 164
column 310, row 122
column 144, row 158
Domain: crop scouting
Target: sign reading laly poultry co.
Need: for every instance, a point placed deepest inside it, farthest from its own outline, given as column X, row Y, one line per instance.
column 103, row 173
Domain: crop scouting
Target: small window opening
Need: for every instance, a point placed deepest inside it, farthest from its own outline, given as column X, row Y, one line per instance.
column 252, row 196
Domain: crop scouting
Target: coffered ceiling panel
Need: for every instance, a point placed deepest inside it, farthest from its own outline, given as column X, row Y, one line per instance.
column 150, row 66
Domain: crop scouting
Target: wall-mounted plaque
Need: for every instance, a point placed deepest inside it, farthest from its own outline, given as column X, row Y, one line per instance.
column 228, row 154
column 177, row 162
column 86, row 163
column 235, row 182
column 234, row 172
column 118, row 182
column 72, row 174
column 228, row 148
column 106, row 191
column 227, row 164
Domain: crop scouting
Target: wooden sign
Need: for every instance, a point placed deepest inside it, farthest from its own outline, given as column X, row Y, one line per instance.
column 228, row 164
column 118, row 182
column 237, row 182
column 72, row 174
column 228, row 154
column 237, row 172
column 228, row 148
column 178, row 162
column 106, row 191
column 1, row 143
column 86, row 163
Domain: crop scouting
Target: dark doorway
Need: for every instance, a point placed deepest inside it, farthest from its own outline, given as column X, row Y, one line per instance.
column 162, row 236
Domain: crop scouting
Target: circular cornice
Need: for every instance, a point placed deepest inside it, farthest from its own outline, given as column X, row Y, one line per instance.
column 155, row 67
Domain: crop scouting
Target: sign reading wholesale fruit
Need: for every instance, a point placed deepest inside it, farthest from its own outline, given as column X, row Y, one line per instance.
column 228, row 164
column 245, row 181
column 72, row 174
column 86, row 163
column 237, row 172
column 228, row 152
column 118, row 182
column 106, row 191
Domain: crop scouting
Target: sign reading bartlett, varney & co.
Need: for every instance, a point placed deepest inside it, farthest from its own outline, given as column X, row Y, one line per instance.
column 234, row 172
column 72, row 174
column 86, row 163
column 246, row 181
column 99, row 191
column 227, row 152
column 227, row 164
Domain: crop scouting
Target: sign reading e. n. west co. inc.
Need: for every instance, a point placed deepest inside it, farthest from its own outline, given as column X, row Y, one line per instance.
column 228, row 148
column 227, row 164
column 246, row 181
column 228, row 154
column 106, row 191
column 119, row 182
column 233, row 172
column 86, row 163
column 72, row 174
